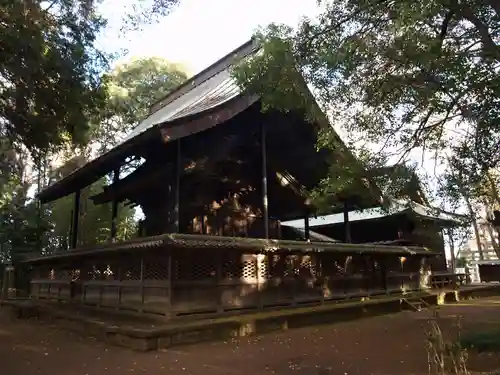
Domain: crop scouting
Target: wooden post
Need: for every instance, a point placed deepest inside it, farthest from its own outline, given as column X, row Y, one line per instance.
column 178, row 171
column 218, row 280
column 76, row 216
column 383, row 272
column 5, row 284
column 306, row 227
column 169, row 313
column 39, row 226
column 120, row 287
column 114, row 206
column 265, row 208
column 347, row 226
column 204, row 212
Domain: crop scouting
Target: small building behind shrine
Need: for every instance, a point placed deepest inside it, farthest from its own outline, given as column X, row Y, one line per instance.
column 215, row 177
column 407, row 219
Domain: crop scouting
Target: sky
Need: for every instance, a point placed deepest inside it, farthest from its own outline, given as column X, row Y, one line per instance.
column 199, row 32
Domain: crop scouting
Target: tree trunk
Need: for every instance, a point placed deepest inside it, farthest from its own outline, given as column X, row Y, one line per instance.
column 475, row 226
column 493, row 188
column 495, row 196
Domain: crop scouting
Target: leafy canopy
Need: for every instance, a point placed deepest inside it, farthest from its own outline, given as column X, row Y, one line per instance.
column 51, row 82
column 133, row 88
column 52, row 93
column 401, row 75
column 49, row 69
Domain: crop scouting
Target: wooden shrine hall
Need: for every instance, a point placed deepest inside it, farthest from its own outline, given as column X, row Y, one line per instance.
column 216, row 179
column 407, row 219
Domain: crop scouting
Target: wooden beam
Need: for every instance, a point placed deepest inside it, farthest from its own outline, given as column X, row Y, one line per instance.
column 178, row 171
column 114, row 206
column 306, row 226
column 265, row 206
column 76, row 216
column 186, row 126
column 347, row 225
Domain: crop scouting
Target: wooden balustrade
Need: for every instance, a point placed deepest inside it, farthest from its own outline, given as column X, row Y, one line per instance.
column 191, row 281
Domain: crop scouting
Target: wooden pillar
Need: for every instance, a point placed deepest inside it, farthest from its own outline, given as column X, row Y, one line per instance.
column 203, row 229
column 39, row 226
column 347, row 226
column 114, row 206
column 178, row 171
column 5, row 285
column 76, row 216
column 265, row 207
column 306, row 227
column 383, row 272
column 169, row 312
column 496, row 224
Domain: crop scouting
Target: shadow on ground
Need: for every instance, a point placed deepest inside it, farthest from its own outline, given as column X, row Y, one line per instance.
column 388, row 345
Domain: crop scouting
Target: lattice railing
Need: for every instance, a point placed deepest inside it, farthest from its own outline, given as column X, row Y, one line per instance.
column 199, row 280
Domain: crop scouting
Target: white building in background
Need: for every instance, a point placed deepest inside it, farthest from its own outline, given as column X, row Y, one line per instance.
column 471, row 254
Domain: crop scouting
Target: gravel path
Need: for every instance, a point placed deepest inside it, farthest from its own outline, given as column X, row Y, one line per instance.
column 388, row 345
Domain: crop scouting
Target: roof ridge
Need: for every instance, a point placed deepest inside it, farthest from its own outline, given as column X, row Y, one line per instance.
column 204, row 75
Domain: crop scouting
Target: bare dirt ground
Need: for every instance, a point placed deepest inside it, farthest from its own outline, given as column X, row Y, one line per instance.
column 388, row 345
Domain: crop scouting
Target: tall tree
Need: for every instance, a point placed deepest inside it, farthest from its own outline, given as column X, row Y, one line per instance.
column 51, row 89
column 133, row 88
column 456, row 188
column 396, row 74
column 17, row 230
column 50, row 70
column 94, row 220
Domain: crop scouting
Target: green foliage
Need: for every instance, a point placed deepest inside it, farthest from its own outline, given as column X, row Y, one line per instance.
column 53, row 92
column 461, row 263
column 19, row 234
column 50, row 71
column 17, row 227
column 133, row 88
column 400, row 75
column 143, row 12
column 94, row 221
column 483, row 341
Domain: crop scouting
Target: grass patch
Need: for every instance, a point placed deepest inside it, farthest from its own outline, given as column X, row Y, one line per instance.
column 482, row 341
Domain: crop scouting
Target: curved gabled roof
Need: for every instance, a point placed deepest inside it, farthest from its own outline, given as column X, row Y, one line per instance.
column 209, row 89
column 206, row 100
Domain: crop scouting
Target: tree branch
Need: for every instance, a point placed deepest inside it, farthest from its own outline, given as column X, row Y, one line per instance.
column 489, row 46
column 328, row 29
column 444, row 27
column 495, row 5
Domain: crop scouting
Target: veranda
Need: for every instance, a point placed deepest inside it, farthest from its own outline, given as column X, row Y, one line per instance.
column 179, row 274
column 217, row 179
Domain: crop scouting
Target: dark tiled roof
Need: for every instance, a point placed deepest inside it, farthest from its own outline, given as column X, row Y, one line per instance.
column 209, row 89
column 216, row 242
